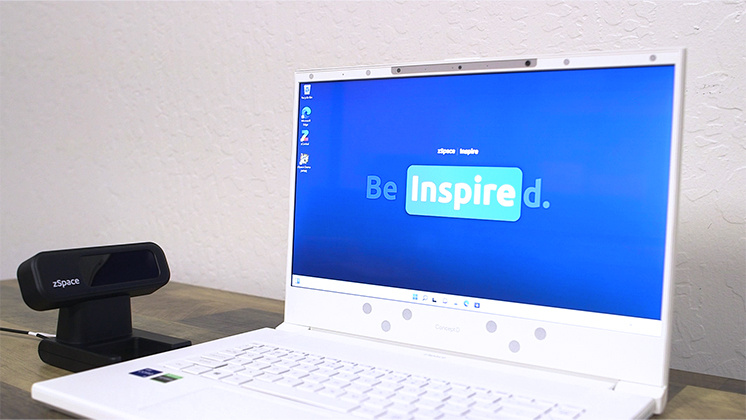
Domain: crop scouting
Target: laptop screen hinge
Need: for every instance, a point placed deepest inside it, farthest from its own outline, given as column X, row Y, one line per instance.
column 288, row 327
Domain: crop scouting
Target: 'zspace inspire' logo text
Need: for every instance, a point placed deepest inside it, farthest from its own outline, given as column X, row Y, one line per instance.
column 469, row 192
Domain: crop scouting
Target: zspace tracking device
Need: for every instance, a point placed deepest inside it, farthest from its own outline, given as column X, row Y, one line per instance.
column 92, row 288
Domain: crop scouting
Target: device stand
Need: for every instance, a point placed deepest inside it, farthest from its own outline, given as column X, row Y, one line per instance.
column 99, row 332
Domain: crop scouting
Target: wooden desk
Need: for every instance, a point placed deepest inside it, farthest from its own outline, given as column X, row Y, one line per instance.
column 202, row 314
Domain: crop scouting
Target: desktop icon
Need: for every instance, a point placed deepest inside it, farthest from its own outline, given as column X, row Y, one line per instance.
column 305, row 112
column 306, row 89
column 304, row 136
column 303, row 159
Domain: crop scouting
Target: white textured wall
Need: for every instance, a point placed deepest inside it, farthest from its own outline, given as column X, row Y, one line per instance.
column 171, row 122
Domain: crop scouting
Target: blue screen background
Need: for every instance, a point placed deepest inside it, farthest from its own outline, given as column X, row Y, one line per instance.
column 599, row 139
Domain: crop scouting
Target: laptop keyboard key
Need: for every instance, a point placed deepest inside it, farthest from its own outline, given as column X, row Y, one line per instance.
column 202, row 361
column 424, row 413
column 235, row 379
column 217, row 374
column 368, row 412
column 196, row 369
column 179, row 364
column 269, row 377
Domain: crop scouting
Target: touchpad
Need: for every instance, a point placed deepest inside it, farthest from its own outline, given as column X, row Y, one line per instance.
column 225, row 404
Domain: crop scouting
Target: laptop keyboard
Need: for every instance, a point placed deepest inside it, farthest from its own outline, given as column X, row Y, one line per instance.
column 362, row 390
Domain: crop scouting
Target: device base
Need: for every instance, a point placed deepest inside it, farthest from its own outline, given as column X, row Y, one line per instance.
column 77, row 358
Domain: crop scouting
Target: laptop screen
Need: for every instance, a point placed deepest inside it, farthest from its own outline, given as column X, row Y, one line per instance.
column 546, row 188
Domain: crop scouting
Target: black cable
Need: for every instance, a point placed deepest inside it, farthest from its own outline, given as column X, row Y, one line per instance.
column 31, row 333
column 13, row 331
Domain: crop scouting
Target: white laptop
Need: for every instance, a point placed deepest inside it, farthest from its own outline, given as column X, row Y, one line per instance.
column 476, row 239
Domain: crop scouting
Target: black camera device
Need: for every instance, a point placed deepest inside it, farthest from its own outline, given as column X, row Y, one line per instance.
column 92, row 288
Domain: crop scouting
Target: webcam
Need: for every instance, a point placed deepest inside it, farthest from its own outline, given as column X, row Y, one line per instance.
column 92, row 288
